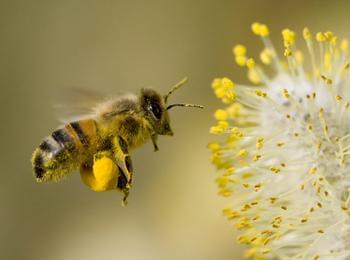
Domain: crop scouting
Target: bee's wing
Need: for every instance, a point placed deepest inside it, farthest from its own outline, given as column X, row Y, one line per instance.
column 76, row 103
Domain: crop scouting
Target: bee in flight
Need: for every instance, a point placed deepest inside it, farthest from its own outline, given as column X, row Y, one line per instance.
column 99, row 145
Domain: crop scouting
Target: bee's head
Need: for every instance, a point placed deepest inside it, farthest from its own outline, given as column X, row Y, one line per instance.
column 156, row 109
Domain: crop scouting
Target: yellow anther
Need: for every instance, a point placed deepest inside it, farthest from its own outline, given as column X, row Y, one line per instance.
column 304, row 220
column 313, row 170
column 246, row 175
column 214, row 147
column 260, row 93
column 242, row 153
column 239, row 50
column 227, row 83
column 223, row 124
column 256, row 157
column 326, row 80
column 220, row 92
column 222, row 181
column 284, row 207
column 280, row 144
column 319, row 204
column 260, row 29
column 307, row 34
column 275, row 169
column 216, row 130
column 229, row 97
column 286, row 93
column 260, row 143
column 245, row 185
column 329, row 36
column 287, row 52
column 234, row 110
column 225, row 192
column 257, row 187
column 253, row 76
column 236, row 131
column 344, row 45
column 266, row 56
column 338, row 98
column 216, row 83
column 221, row 114
column 241, row 60
column 320, row 37
column 250, row 63
column 288, row 37
column 321, row 231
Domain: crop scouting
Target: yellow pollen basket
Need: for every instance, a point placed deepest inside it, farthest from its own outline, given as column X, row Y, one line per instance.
column 102, row 176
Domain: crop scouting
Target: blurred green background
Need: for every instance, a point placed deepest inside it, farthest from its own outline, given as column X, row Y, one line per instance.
column 121, row 46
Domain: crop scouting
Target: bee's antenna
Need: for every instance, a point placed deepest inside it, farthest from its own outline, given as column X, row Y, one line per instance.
column 184, row 105
column 177, row 86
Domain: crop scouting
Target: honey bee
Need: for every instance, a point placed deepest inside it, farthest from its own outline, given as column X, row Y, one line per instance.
column 115, row 127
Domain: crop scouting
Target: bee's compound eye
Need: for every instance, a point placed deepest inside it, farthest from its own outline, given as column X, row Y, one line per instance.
column 156, row 110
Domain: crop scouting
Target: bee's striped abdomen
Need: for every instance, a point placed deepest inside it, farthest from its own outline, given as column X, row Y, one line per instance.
column 61, row 152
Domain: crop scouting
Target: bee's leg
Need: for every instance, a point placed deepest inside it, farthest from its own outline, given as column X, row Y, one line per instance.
column 101, row 174
column 154, row 138
column 122, row 156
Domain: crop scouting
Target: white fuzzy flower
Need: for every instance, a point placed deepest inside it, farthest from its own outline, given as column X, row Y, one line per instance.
column 285, row 153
